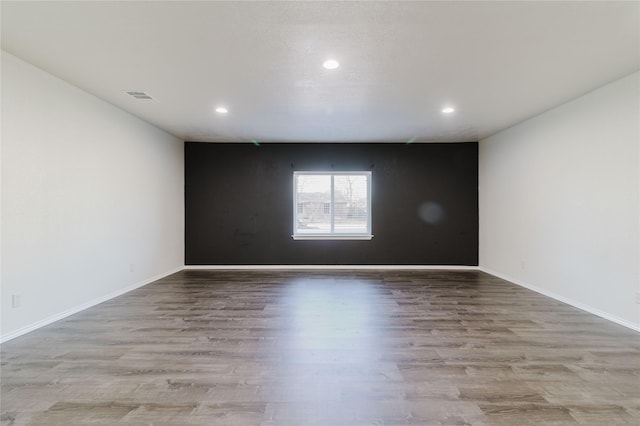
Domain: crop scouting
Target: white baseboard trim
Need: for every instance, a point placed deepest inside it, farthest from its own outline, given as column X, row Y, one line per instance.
column 581, row 306
column 331, row 267
column 82, row 307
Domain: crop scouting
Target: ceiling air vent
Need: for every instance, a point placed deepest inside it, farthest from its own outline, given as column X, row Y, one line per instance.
column 139, row 95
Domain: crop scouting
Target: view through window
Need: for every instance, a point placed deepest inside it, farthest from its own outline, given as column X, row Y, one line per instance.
column 332, row 205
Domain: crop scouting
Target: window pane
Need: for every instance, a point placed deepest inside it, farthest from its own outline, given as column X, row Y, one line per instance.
column 313, row 193
column 328, row 205
column 350, row 204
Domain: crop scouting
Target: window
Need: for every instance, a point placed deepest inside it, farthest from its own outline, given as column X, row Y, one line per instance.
column 332, row 205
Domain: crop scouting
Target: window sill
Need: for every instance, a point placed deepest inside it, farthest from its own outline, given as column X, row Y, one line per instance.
column 332, row 237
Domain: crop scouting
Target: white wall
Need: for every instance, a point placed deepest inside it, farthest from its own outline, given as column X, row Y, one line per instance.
column 559, row 202
column 87, row 191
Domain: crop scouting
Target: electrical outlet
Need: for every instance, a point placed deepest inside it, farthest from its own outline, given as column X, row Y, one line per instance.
column 132, row 267
column 638, row 297
column 15, row 300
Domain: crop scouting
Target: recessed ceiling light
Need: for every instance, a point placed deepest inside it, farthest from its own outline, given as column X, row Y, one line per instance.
column 448, row 110
column 331, row 64
column 222, row 110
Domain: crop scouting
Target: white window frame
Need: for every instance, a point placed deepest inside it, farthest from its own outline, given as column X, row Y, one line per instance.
column 333, row 235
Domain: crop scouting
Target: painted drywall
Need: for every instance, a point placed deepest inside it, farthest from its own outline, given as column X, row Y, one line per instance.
column 559, row 202
column 92, row 199
column 239, row 203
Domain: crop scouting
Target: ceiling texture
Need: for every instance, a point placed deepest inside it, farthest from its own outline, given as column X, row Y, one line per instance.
column 401, row 63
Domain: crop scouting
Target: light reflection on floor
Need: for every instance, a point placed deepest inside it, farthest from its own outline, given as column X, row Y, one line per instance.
column 333, row 339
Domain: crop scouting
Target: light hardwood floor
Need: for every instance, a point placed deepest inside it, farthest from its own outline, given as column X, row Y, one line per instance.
column 325, row 348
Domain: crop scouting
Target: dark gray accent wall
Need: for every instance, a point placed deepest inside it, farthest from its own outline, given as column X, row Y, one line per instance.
column 239, row 203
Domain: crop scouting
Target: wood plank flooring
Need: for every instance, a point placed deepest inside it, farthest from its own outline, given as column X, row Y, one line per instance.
column 325, row 348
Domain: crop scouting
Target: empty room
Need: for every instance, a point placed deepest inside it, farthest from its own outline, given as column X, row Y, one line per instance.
column 321, row 213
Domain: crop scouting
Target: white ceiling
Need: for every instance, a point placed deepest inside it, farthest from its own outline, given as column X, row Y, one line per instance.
column 498, row 63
